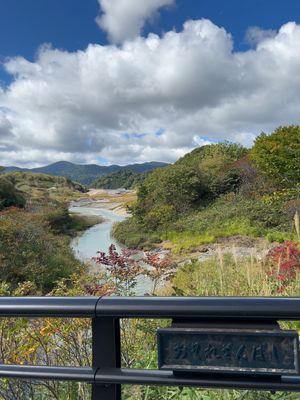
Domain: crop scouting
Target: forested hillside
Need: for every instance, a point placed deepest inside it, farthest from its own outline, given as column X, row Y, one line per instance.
column 86, row 174
column 121, row 179
column 220, row 190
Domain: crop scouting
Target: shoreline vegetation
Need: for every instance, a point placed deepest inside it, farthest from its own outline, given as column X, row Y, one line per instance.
column 222, row 221
column 80, row 222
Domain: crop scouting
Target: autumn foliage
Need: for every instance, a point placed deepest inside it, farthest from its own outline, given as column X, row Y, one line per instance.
column 286, row 264
column 125, row 267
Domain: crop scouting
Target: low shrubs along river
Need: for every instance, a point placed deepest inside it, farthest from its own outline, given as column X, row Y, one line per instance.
column 35, row 247
column 35, row 232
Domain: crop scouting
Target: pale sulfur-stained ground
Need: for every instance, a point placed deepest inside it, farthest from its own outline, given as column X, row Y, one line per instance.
column 114, row 200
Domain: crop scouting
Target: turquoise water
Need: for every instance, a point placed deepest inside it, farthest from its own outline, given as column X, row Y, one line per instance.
column 98, row 238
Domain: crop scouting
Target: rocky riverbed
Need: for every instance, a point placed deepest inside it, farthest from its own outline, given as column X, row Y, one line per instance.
column 236, row 246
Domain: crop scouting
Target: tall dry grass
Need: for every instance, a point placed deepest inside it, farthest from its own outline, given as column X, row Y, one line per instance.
column 231, row 275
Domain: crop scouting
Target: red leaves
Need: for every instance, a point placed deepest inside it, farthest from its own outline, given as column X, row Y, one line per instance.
column 281, row 277
column 287, row 258
column 94, row 289
column 123, row 268
column 126, row 266
column 286, row 252
column 114, row 259
column 155, row 261
column 160, row 268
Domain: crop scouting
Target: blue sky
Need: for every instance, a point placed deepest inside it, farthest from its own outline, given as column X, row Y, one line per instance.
column 116, row 72
column 70, row 24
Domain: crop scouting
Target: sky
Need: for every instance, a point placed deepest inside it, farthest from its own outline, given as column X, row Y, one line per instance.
column 123, row 81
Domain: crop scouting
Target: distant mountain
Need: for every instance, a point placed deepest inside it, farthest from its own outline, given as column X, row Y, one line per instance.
column 86, row 174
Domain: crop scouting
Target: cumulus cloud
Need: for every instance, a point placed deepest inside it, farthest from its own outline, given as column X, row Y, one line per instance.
column 153, row 98
column 6, row 135
column 124, row 19
column 255, row 35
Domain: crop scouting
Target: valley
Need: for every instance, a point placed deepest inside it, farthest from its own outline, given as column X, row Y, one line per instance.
column 220, row 221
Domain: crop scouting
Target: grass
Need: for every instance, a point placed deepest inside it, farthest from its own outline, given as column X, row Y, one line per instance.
column 42, row 188
column 222, row 275
column 128, row 233
column 171, row 393
column 79, row 223
column 183, row 241
column 229, row 215
column 186, row 241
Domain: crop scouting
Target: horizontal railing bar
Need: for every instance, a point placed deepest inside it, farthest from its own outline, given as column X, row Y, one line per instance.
column 73, row 307
column 243, row 308
column 78, row 374
column 238, row 308
column 167, row 378
column 147, row 377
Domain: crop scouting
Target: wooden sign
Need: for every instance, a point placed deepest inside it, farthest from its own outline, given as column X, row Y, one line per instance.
column 272, row 352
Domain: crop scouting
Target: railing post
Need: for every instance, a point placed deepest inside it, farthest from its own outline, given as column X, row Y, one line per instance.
column 106, row 354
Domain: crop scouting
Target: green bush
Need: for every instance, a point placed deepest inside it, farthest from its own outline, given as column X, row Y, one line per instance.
column 192, row 182
column 278, row 154
column 229, row 215
column 9, row 195
column 130, row 234
column 216, row 163
column 29, row 251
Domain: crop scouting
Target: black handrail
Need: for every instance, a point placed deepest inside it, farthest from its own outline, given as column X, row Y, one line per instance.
column 79, row 374
column 283, row 308
column 58, row 307
column 106, row 374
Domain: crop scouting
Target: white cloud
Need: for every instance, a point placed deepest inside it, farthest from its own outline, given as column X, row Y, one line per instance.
column 255, row 35
column 124, row 19
column 189, row 86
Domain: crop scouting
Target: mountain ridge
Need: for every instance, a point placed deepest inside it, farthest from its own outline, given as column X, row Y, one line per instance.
column 87, row 173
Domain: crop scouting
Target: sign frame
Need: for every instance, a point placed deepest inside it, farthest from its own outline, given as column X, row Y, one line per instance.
column 164, row 334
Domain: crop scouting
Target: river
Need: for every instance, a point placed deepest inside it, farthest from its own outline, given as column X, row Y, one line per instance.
column 98, row 238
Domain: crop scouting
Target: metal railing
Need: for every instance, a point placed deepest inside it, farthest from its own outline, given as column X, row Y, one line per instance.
column 106, row 375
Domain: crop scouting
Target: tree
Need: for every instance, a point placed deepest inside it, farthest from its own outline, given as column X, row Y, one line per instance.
column 194, row 179
column 278, row 154
column 168, row 192
column 124, row 269
column 215, row 162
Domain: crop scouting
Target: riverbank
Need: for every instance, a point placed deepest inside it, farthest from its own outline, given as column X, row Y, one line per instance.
column 98, row 239
column 238, row 247
column 116, row 201
column 81, row 222
column 106, row 204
